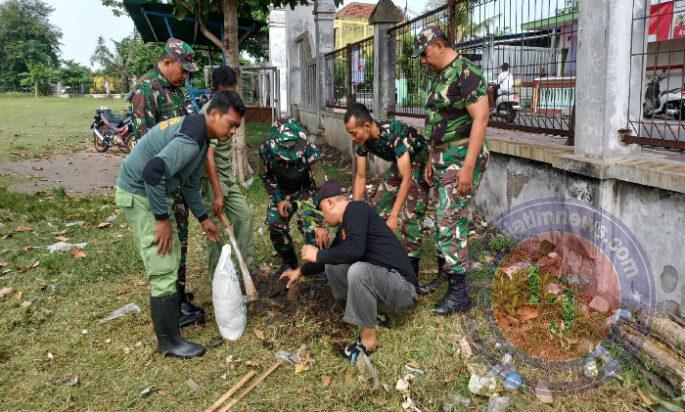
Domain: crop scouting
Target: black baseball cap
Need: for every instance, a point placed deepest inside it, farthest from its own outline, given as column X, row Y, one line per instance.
column 330, row 188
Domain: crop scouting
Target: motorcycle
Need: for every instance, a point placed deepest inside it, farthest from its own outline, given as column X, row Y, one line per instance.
column 669, row 103
column 505, row 106
column 111, row 130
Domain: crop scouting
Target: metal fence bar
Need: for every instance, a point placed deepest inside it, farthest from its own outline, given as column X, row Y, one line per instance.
column 349, row 75
column 536, row 38
column 656, row 111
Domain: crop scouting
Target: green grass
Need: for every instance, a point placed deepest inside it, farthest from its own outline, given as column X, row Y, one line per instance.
column 114, row 361
column 33, row 127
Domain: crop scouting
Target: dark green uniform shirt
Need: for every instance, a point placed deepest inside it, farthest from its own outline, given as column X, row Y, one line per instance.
column 395, row 139
column 460, row 84
column 154, row 99
column 223, row 157
column 171, row 156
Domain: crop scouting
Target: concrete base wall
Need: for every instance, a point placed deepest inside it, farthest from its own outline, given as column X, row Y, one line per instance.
column 656, row 217
column 336, row 136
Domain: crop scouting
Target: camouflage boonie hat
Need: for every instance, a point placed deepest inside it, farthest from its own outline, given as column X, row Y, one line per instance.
column 422, row 41
column 183, row 53
column 286, row 133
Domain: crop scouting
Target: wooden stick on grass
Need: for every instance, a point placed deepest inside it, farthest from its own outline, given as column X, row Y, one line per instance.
column 231, row 391
column 251, row 387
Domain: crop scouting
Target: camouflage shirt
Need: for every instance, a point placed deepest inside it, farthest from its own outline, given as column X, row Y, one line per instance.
column 460, row 84
column 283, row 176
column 154, row 99
column 396, row 139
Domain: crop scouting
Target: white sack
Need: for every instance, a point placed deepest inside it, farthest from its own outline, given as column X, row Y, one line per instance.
column 229, row 307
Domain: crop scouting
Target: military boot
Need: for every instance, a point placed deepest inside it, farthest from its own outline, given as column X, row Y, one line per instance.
column 165, row 318
column 189, row 313
column 456, row 299
column 437, row 282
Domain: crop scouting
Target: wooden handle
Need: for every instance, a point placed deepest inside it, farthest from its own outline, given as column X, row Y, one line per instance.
column 231, row 391
column 250, row 290
column 252, row 386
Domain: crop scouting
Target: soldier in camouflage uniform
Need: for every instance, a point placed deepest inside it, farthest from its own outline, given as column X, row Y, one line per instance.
column 157, row 96
column 402, row 189
column 456, row 120
column 292, row 175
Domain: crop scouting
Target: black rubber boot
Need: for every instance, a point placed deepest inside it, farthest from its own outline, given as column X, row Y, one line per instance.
column 437, row 282
column 456, row 299
column 165, row 318
column 289, row 262
column 189, row 313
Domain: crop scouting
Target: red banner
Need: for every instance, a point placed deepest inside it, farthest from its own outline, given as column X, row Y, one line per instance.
column 660, row 21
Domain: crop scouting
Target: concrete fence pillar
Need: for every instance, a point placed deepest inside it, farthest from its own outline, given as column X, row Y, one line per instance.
column 324, row 15
column 384, row 17
column 603, row 80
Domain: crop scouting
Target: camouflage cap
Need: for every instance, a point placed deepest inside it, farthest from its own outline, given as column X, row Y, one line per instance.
column 183, row 52
column 431, row 33
column 285, row 133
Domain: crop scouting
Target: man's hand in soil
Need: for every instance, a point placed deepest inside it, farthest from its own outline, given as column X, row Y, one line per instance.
column 282, row 206
column 210, row 229
column 164, row 239
column 309, row 253
column 292, row 275
column 218, row 205
column 322, row 237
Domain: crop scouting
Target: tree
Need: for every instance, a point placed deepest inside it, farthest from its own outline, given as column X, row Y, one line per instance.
column 75, row 76
column 26, row 36
column 39, row 76
column 102, row 56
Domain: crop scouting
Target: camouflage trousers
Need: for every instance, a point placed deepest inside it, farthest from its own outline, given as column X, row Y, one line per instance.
column 413, row 211
column 452, row 212
column 279, row 226
column 181, row 214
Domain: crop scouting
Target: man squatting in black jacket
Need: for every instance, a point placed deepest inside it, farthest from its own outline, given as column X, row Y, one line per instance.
column 365, row 264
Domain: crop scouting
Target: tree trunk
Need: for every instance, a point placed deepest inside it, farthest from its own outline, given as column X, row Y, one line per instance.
column 451, row 20
column 231, row 46
column 35, row 88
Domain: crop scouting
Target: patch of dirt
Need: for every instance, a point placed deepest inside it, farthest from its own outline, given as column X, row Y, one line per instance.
column 79, row 174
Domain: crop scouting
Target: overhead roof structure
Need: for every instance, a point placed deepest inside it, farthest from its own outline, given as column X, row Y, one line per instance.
column 156, row 22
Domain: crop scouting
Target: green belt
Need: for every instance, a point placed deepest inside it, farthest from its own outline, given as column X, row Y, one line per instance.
column 448, row 145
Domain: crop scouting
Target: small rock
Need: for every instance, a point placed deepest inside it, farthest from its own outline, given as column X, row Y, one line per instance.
column 108, row 340
column 71, row 381
column 192, row 385
column 553, row 289
column 51, row 356
column 543, row 393
column 4, row 292
column 599, row 304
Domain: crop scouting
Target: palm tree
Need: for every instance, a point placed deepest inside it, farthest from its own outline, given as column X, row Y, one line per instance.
column 102, row 56
column 39, row 75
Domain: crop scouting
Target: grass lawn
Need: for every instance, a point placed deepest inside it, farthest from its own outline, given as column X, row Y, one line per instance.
column 50, row 331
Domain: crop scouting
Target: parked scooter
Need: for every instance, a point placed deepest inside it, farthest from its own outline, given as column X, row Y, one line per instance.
column 505, row 106
column 670, row 103
column 111, row 130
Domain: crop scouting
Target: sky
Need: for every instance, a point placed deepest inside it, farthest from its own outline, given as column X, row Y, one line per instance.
column 81, row 22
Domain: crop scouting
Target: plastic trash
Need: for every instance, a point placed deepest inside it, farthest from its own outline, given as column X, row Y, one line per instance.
column 112, row 218
column 512, row 381
column 459, row 400
column 498, row 404
column 590, row 367
column 66, row 247
column 147, row 391
column 482, row 385
column 229, row 308
column 127, row 308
